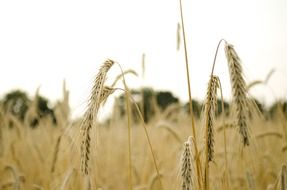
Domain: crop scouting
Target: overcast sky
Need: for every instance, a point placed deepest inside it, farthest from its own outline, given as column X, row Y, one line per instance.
column 44, row 42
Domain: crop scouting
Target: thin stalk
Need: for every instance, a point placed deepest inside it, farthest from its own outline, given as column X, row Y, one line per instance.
column 142, row 89
column 215, row 55
column 198, row 163
column 222, row 105
column 147, row 136
column 224, row 137
column 149, row 142
column 128, row 107
column 145, row 130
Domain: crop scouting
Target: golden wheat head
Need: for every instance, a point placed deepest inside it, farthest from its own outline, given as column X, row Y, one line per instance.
column 210, row 107
column 99, row 94
column 186, row 167
column 238, row 90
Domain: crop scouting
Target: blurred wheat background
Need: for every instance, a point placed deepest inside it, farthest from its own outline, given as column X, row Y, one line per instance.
column 166, row 110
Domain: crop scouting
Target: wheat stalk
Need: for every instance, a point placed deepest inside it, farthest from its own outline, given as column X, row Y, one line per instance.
column 1, row 133
column 55, row 155
column 143, row 65
column 154, row 182
column 120, row 76
column 238, row 90
column 178, row 39
column 67, row 177
column 146, row 134
column 250, row 180
column 265, row 81
column 198, row 162
column 98, row 95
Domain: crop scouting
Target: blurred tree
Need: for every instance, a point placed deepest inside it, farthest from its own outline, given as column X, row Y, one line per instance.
column 149, row 108
column 152, row 102
column 164, row 99
column 43, row 110
column 17, row 103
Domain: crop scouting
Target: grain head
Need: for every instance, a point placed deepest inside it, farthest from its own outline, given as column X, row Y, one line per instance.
column 209, row 109
column 238, row 90
column 186, row 167
column 98, row 95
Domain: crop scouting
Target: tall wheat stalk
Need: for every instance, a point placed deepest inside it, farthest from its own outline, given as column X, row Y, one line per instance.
column 197, row 158
column 148, row 139
column 210, row 108
column 129, row 116
column 129, row 98
column 226, row 181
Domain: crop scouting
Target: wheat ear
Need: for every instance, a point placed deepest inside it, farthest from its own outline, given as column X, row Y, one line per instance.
column 209, row 109
column 98, row 95
column 186, row 167
column 238, row 90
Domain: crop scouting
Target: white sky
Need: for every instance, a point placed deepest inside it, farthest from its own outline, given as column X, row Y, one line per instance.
column 44, row 42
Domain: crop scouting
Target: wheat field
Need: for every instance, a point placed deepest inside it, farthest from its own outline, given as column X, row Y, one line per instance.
column 49, row 156
column 241, row 149
column 147, row 148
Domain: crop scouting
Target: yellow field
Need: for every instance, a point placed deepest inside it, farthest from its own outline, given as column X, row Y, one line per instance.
column 238, row 148
column 48, row 156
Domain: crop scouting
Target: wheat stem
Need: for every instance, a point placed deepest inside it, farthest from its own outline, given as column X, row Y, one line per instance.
column 147, row 137
column 224, row 136
column 215, row 55
column 198, row 164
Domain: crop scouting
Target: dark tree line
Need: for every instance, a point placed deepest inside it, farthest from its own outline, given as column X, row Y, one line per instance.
column 153, row 101
column 148, row 100
column 17, row 103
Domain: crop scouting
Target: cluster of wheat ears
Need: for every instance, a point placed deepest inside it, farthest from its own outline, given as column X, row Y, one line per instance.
column 193, row 176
